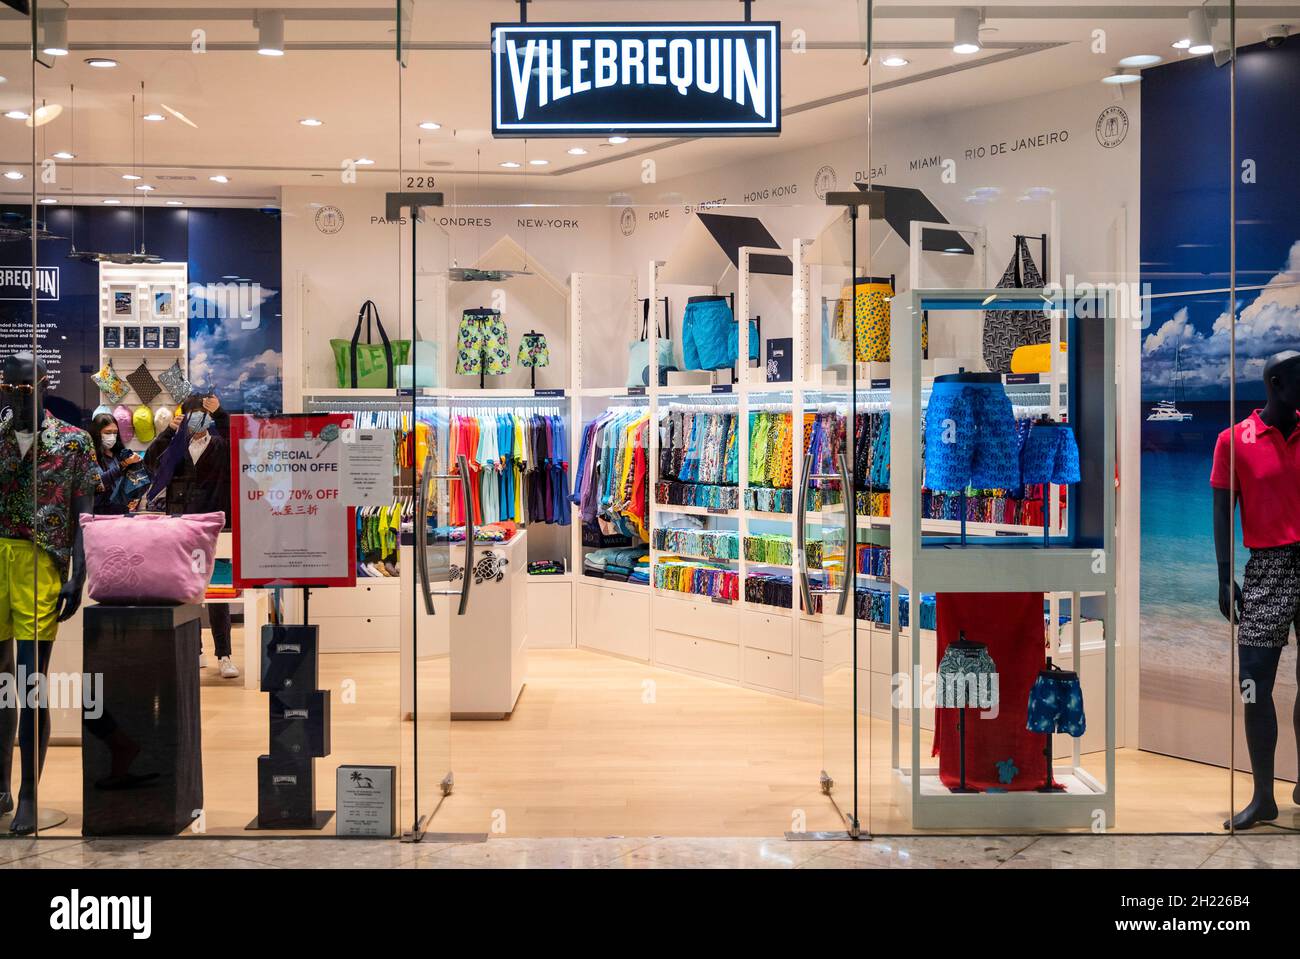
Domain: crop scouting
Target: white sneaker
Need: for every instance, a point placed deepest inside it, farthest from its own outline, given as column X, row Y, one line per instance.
column 228, row 668
column 203, row 660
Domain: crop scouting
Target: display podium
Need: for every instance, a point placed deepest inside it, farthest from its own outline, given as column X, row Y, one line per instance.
column 141, row 754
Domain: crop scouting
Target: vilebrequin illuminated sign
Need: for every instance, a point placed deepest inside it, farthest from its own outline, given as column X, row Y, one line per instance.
column 636, row 79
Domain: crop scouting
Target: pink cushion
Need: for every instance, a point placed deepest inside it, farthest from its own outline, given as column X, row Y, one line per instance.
column 147, row 558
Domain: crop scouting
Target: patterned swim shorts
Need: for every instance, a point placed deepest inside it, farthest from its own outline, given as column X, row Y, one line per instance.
column 1051, row 455
column 482, row 344
column 1270, row 597
column 1056, row 704
column 533, row 351
column 970, row 437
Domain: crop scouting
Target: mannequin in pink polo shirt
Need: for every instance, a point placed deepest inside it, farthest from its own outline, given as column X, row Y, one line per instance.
column 1266, row 446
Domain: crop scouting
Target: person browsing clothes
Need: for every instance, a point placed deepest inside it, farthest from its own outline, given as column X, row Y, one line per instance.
column 120, row 487
column 190, row 465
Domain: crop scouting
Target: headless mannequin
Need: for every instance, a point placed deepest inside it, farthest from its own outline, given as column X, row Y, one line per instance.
column 23, row 370
column 1258, row 665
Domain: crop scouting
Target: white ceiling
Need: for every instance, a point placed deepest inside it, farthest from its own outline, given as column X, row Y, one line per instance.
column 340, row 68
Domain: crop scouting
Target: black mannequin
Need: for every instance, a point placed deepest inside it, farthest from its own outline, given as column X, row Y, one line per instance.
column 1258, row 665
column 23, row 379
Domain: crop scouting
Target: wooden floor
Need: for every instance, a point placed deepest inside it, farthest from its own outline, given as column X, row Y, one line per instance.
column 601, row 746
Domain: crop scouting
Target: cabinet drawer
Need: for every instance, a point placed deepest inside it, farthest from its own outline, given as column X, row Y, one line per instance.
column 810, row 639
column 697, row 654
column 614, row 620
column 716, row 621
column 382, row 599
column 765, row 631
column 348, row 633
column 772, row 670
column 550, row 613
column 810, row 680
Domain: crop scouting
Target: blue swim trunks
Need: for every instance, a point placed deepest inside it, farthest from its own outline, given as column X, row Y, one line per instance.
column 711, row 336
column 970, row 437
column 1051, row 455
column 1056, row 704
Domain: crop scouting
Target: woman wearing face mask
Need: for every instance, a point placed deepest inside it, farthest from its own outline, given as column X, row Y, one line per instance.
column 190, row 464
column 113, row 459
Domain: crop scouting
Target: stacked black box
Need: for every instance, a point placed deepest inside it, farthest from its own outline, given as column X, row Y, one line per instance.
column 299, row 728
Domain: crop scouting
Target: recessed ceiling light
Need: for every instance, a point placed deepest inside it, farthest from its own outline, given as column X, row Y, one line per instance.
column 1121, row 78
column 219, row 178
column 64, row 155
column 153, row 117
column 617, row 140
column 45, row 114
column 131, row 176
column 48, row 199
column 1182, row 44
column 511, row 165
column 175, row 203
column 145, row 187
column 4, row 79
column 311, row 122
column 430, row 125
column 113, row 202
column 538, row 162
column 18, row 115
column 101, row 63
column 13, row 175
column 577, row 152
column 1141, row 60
column 895, row 61
column 364, row 161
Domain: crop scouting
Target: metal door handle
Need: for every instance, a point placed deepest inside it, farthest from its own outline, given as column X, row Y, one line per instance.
column 463, row 466
column 801, row 536
column 850, row 526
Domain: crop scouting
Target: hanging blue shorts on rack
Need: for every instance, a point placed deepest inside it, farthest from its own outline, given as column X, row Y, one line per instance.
column 711, row 335
column 970, row 436
column 1056, row 704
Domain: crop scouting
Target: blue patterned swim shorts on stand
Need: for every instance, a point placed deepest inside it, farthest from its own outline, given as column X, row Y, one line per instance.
column 1051, row 455
column 1056, row 704
column 711, row 336
column 970, row 436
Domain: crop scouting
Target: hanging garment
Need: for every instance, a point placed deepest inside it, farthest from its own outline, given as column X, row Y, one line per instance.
column 1005, row 331
column 1000, row 752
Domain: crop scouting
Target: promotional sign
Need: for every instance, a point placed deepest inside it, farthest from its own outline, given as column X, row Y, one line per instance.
column 16, row 282
column 367, row 462
column 291, row 525
column 638, row 79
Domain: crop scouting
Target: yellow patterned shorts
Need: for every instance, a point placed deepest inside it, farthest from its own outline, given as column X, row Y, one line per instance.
column 871, row 322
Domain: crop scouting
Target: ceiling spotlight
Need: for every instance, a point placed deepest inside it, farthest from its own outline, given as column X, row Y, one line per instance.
column 270, row 33
column 1122, row 77
column 577, row 152
column 44, row 114
column 1182, row 44
column 101, row 63
column 617, row 140
column 895, row 61
column 511, row 165
column 430, row 125
column 56, row 33
column 145, row 187
column 64, row 155
column 219, row 178
column 538, row 162
column 112, row 202
column 48, row 200
column 1198, row 29
column 966, row 31
column 175, row 203
column 1141, row 60
column 13, row 175
column 364, row 161
column 18, row 115
column 311, row 122
column 153, row 117
column 131, row 176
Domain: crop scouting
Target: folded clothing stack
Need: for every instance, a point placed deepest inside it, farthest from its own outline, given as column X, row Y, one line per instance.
column 546, row 567
column 873, row 561
column 763, row 500
column 769, row 590
column 617, row 563
column 491, row 533
column 700, row 579
column 774, row 548
column 708, row 543
column 671, row 493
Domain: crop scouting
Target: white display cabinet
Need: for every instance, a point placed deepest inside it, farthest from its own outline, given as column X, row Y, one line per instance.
column 1074, row 556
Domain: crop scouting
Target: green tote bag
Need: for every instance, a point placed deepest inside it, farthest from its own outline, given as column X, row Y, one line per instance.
column 369, row 365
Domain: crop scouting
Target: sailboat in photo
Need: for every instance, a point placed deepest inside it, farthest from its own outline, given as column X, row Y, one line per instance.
column 1167, row 411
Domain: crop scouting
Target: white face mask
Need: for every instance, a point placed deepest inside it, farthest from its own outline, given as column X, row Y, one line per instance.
column 109, row 440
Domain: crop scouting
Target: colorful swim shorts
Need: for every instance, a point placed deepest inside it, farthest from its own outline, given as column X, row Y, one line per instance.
column 1056, row 704
column 711, row 335
column 966, row 677
column 970, row 436
column 482, row 344
column 1051, row 455
column 871, row 320
column 533, row 351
